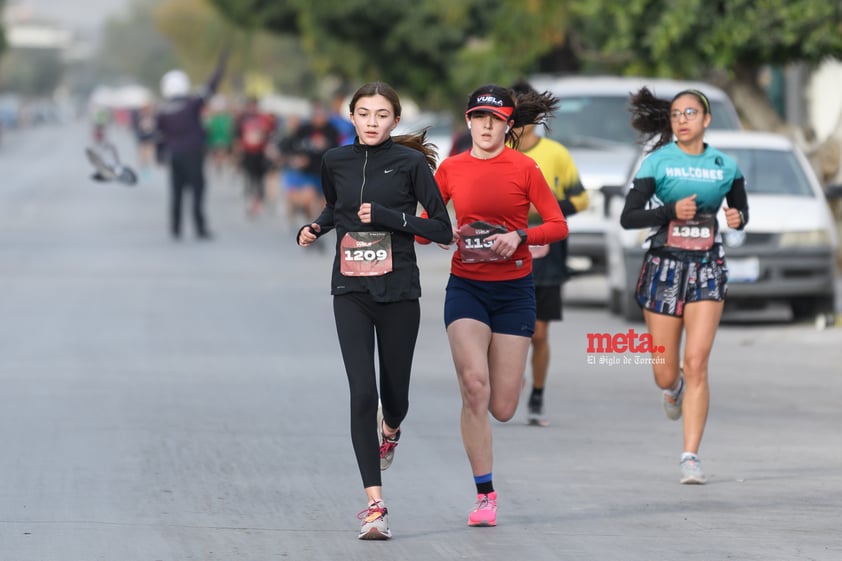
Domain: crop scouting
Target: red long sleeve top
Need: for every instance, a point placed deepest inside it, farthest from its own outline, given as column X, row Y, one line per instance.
column 500, row 191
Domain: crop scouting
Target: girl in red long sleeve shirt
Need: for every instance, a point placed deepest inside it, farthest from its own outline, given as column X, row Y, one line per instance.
column 490, row 302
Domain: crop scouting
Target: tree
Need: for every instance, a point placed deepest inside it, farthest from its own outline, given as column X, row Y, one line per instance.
column 520, row 36
column 31, row 72
column 2, row 34
column 279, row 16
column 727, row 42
column 415, row 46
column 133, row 49
column 436, row 49
column 197, row 32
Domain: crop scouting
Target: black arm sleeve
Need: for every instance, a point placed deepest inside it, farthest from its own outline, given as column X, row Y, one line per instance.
column 575, row 191
column 567, row 207
column 436, row 228
column 636, row 215
column 213, row 82
column 738, row 199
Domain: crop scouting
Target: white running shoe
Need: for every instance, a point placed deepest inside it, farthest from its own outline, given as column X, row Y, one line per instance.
column 691, row 471
column 672, row 404
column 375, row 524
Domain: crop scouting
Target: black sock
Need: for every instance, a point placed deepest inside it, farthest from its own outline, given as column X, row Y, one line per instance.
column 537, row 392
column 485, row 488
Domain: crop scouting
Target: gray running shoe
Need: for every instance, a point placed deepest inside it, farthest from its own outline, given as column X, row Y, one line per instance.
column 672, row 405
column 535, row 415
column 387, row 443
column 691, row 471
column 375, row 524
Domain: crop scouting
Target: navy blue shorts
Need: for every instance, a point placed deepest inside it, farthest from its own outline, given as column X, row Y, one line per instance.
column 507, row 307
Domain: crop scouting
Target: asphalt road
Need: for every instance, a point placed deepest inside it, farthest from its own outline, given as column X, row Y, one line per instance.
column 173, row 401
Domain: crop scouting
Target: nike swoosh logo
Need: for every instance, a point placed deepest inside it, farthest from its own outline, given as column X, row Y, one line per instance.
column 388, row 170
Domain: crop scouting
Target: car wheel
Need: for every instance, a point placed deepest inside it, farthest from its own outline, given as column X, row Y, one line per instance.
column 614, row 302
column 811, row 308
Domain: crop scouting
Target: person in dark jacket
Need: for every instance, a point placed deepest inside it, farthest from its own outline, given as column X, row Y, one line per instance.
column 182, row 135
column 372, row 190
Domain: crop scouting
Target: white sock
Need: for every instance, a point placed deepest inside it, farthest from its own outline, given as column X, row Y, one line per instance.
column 686, row 455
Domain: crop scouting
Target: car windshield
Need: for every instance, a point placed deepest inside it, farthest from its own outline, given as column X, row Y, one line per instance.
column 600, row 121
column 771, row 172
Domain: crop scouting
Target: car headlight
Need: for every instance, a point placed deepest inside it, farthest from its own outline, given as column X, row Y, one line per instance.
column 805, row 238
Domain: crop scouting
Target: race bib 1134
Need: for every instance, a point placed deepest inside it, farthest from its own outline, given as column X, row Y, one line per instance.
column 474, row 246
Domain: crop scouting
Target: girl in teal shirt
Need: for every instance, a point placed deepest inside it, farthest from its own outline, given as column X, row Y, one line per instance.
column 677, row 192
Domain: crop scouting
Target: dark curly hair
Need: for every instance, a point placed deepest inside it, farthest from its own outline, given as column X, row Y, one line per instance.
column 651, row 115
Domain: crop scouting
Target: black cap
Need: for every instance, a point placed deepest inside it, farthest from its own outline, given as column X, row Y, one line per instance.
column 493, row 99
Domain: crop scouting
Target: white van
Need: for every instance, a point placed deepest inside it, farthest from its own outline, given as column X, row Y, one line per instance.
column 593, row 122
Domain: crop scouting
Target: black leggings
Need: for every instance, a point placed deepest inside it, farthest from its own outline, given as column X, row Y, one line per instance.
column 358, row 319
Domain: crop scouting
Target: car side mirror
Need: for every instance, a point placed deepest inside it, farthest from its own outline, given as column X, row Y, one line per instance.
column 608, row 193
column 833, row 192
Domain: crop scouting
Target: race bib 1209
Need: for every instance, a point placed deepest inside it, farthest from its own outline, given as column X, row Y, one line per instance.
column 474, row 246
column 694, row 235
column 366, row 254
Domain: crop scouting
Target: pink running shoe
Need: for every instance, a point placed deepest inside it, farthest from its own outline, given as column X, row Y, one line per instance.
column 485, row 511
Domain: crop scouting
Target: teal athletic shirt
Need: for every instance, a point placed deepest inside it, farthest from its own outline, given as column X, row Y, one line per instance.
column 677, row 175
column 669, row 174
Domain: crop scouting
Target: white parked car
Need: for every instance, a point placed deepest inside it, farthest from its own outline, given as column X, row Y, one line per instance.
column 787, row 252
column 439, row 130
column 593, row 122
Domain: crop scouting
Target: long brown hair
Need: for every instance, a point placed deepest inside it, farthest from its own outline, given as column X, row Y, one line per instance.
column 417, row 140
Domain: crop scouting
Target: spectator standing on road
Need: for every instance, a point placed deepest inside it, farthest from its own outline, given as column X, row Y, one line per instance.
column 372, row 191
column 489, row 307
column 677, row 192
column 182, row 133
column 549, row 262
column 254, row 132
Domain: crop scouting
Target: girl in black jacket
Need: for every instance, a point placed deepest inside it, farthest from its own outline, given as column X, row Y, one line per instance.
column 372, row 190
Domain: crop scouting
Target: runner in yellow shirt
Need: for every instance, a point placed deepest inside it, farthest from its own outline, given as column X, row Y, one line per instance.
column 549, row 265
